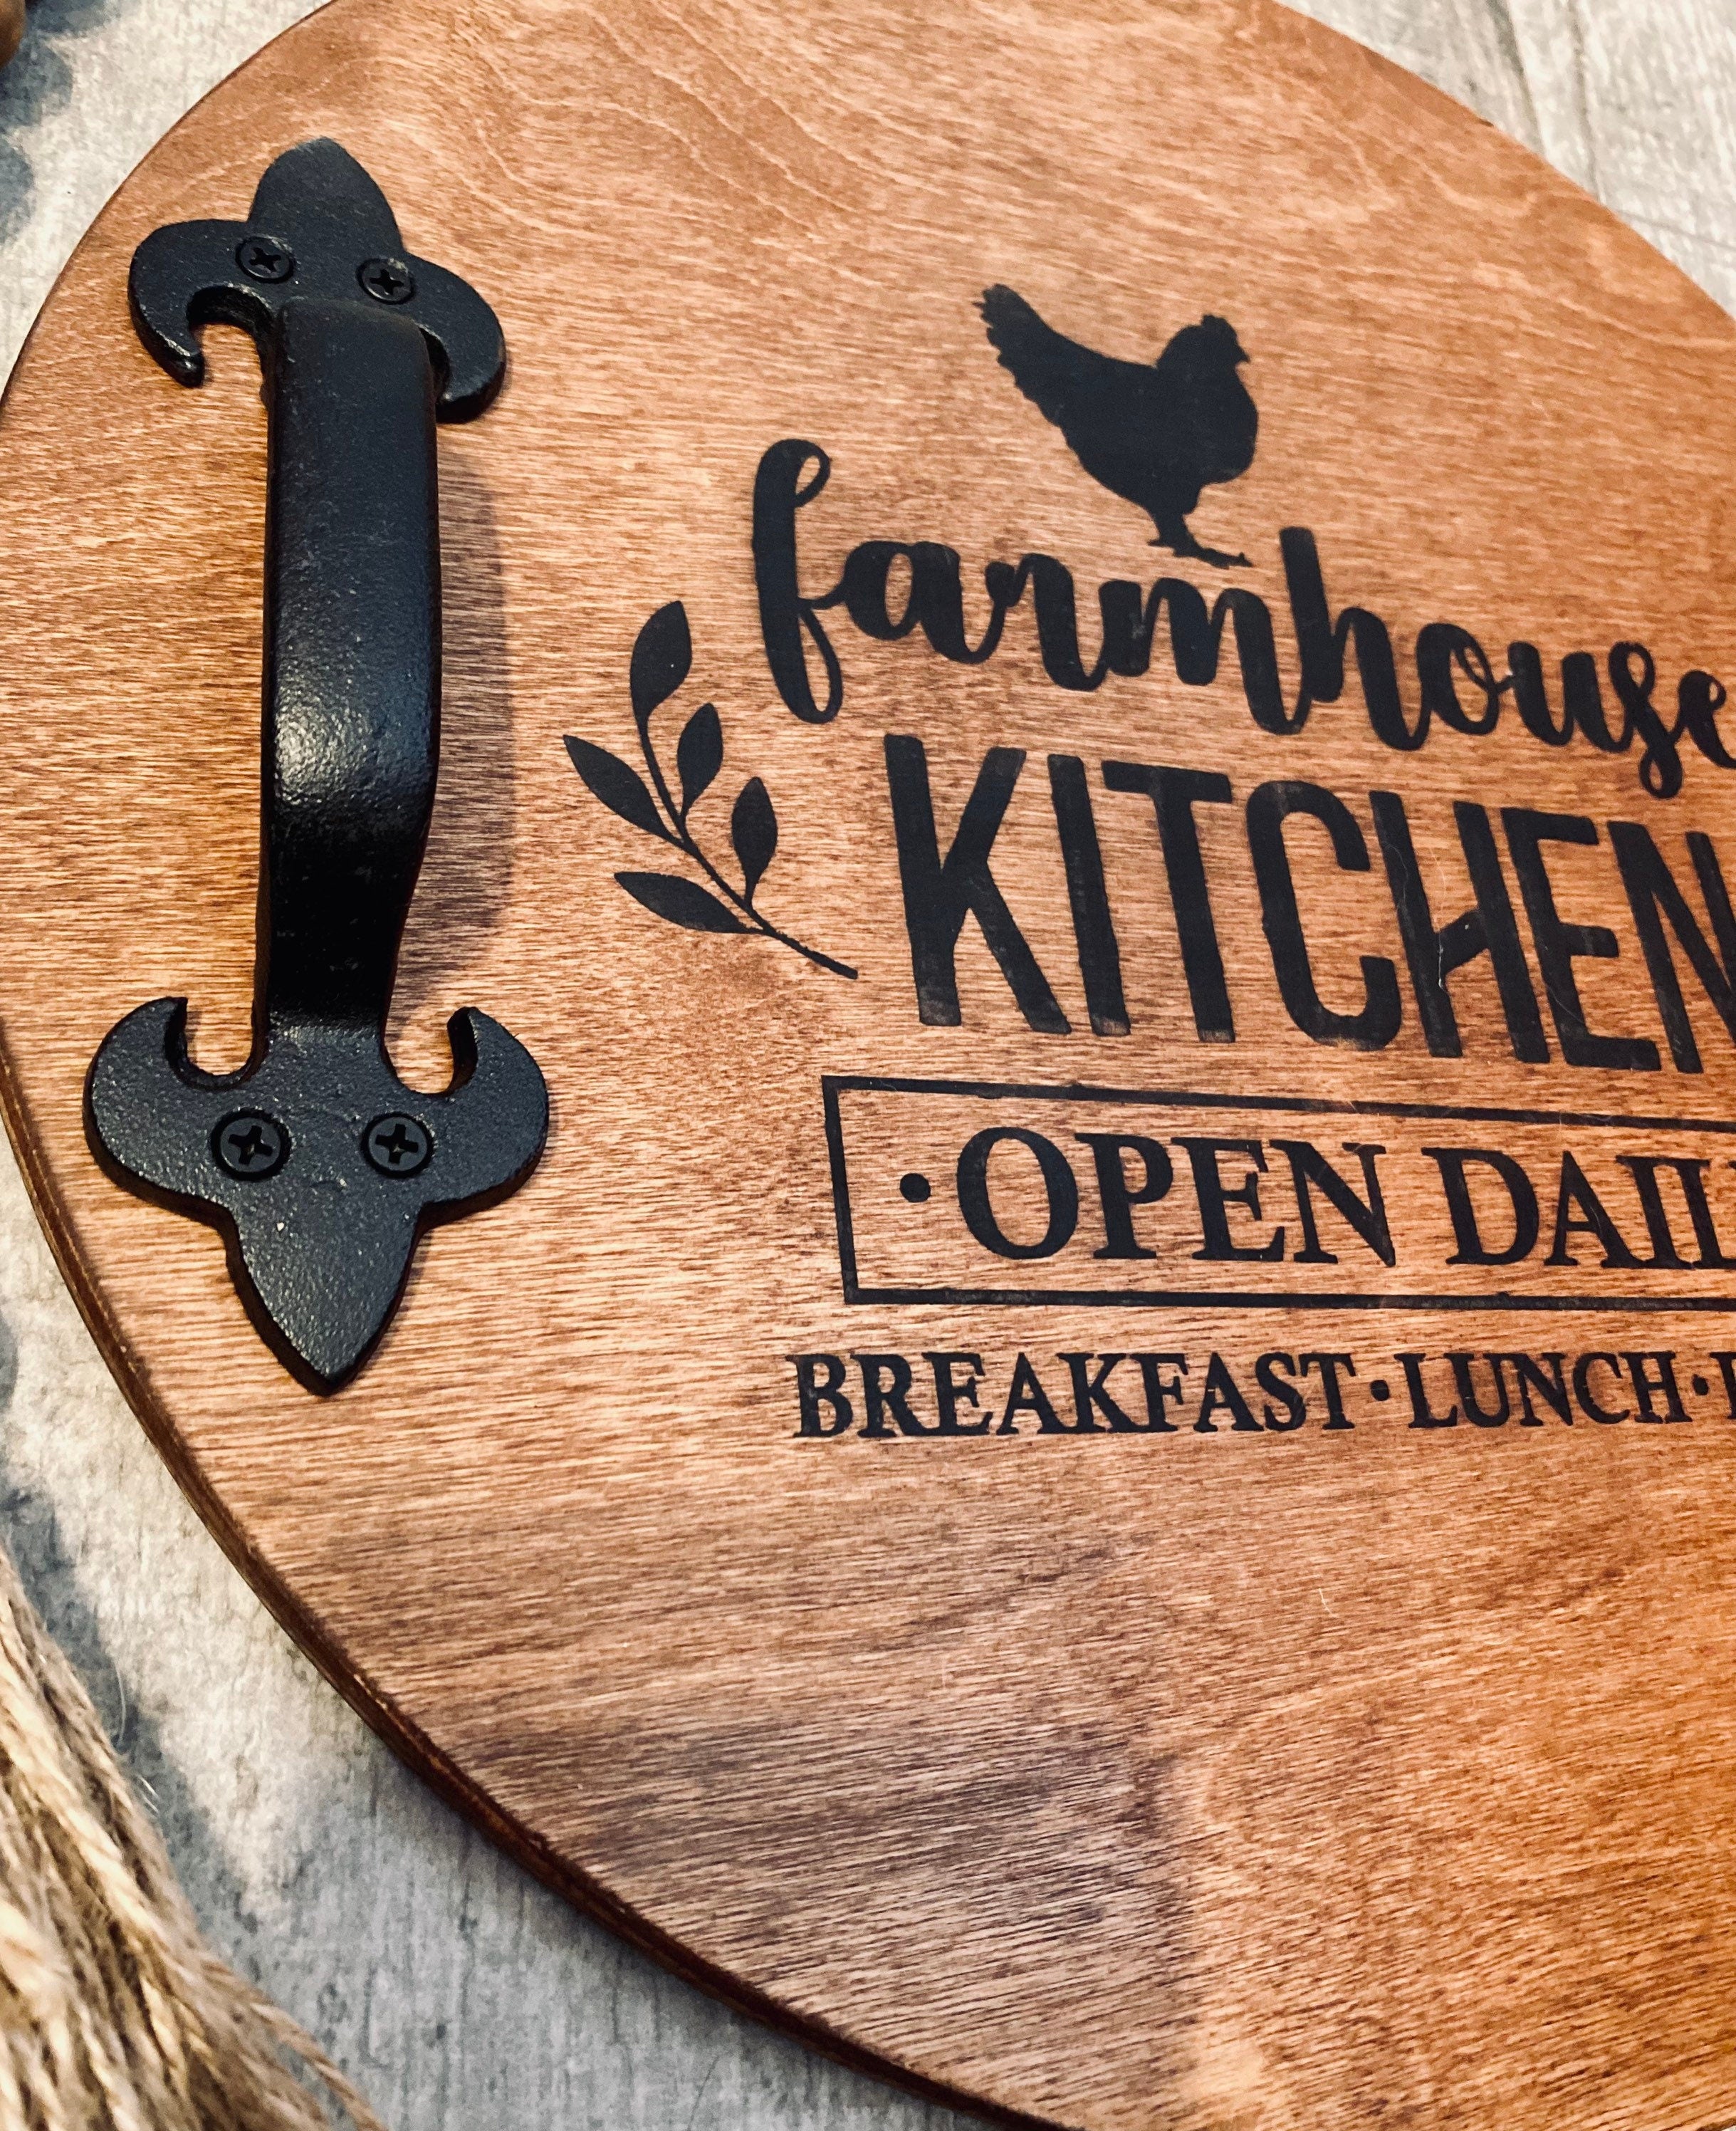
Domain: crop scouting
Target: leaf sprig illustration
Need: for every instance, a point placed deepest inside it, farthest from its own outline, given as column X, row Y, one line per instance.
column 662, row 657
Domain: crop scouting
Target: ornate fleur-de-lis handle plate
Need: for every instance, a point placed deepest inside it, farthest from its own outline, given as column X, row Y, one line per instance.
column 321, row 1167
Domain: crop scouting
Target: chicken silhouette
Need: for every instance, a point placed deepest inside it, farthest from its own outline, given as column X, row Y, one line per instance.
column 1156, row 432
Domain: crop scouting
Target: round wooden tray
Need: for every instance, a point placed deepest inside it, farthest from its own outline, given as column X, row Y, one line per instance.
column 1320, row 999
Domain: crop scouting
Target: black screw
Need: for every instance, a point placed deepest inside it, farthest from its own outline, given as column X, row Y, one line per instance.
column 250, row 1146
column 387, row 280
column 263, row 259
column 397, row 1145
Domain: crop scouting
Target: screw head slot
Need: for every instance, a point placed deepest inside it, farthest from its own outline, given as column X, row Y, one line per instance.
column 263, row 259
column 397, row 1145
column 249, row 1145
column 387, row 280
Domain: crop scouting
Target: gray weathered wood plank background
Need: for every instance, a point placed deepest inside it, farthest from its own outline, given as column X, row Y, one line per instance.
column 462, row 1996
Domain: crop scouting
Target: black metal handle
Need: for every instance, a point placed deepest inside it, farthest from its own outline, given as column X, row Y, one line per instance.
column 319, row 1165
column 352, row 654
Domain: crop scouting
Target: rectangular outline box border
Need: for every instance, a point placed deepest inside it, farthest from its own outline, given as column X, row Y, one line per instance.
column 833, row 1085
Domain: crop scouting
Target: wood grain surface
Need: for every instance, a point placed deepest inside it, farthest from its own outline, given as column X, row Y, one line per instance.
column 1109, row 1781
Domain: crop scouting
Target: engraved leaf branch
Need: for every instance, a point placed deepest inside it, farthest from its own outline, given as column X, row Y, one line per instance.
column 662, row 657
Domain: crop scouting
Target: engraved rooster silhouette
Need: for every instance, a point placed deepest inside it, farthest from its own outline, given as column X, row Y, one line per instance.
column 1156, row 433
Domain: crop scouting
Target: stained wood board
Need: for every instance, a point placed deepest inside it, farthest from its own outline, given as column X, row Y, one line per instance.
column 1107, row 1776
